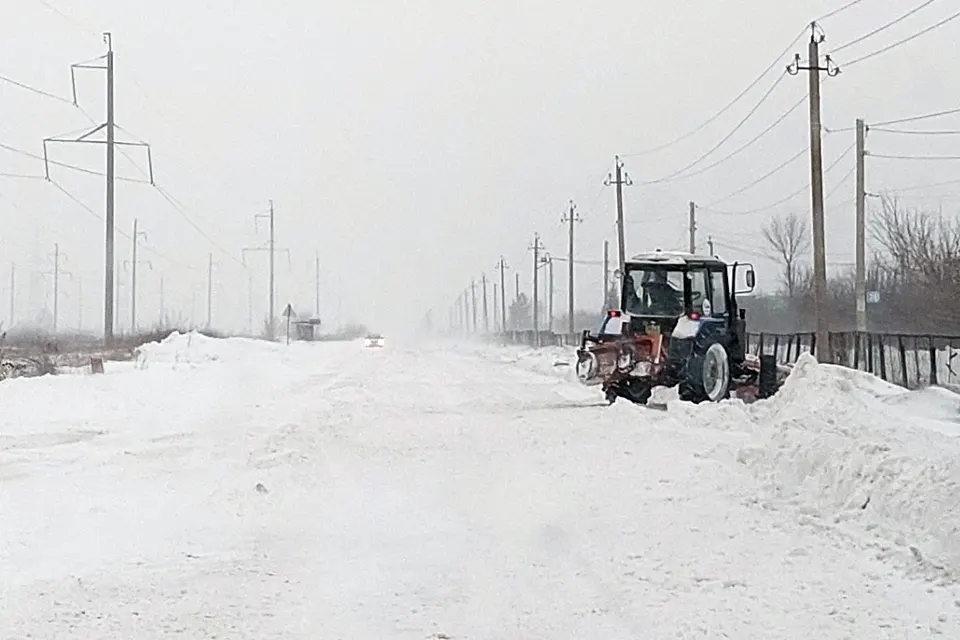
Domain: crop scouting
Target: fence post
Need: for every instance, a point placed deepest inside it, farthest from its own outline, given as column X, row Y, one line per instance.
column 870, row 353
column 813, row 347
column 883, row 358
column 903, row 362
column 933, row 362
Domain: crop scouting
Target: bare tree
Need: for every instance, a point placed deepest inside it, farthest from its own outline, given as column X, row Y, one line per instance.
column 788, row 240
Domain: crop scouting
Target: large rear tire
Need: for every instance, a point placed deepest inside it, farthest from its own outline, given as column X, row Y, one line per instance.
column 707, row 375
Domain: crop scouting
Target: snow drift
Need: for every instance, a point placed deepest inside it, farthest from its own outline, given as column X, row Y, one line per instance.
column 861, row 458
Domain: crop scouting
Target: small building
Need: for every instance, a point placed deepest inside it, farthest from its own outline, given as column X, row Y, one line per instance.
column 308, row 329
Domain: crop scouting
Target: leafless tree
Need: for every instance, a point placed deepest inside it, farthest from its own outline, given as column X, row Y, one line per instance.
column 788, row 240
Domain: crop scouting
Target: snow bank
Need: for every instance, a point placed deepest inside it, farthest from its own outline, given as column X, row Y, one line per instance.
column 194, row 348
column 857, row 456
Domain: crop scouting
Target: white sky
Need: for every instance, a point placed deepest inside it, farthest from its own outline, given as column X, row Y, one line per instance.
column 410, row 144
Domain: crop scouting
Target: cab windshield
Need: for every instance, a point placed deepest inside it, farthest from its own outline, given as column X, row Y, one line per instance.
column 653, row 290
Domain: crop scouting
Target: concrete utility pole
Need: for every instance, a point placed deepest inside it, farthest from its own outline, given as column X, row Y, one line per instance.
column 473, row 303
column 13, row 292
column 570, row 218
column 104, row 63
column 271, row 248
column 710, row 245
column 486, row 316
column 693, row 227
column 502, row 268
column 209, row 290
column 133, row 275
column 547, row 260
column 620, row 180
column 536, row 248
column 606, row 271
column 861, row 249
column 317, row 282
column 813, row 70
column 496, row 311
column 163, row 320
column 517, row 296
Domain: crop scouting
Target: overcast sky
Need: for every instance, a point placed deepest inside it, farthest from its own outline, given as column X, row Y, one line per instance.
column 410, row 144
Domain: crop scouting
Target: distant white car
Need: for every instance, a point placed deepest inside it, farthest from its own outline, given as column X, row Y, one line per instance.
column 373, row 340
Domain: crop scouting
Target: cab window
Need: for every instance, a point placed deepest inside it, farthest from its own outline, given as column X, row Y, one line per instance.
column 698, row 289
column 718, row 300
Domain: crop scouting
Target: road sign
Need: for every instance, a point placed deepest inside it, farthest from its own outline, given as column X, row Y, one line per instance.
column 288, row 312
column 873, row 297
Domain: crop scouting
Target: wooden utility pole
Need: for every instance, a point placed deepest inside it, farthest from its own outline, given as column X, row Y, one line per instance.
column 861, row 268
column 570, row 218
column 813, row 70
column 486, row 316
column 693, row 227
column 620, row 180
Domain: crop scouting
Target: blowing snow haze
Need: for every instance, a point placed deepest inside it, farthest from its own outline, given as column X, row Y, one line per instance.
column 409, row 145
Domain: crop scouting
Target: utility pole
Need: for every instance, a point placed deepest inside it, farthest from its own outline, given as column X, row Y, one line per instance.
column 133, row 275
column 536, row 248
column 570, row 218
column 57, row 272
column 13, row 291
column 271, row 248
column 621, row 179
column 517, row 297
column 496, row 312
column 502, row 268
column 710, row 246
column 209, row 290
column 606, row 271
column 163, row 320
column 486, row 316
column 861, row 268
column 813, row 70
column 693, row 227
column 317, row 282
column 473, row 303
column 547, row 260
column 103, row 63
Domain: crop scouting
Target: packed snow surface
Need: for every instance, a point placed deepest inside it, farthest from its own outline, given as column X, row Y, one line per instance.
column 242, row 489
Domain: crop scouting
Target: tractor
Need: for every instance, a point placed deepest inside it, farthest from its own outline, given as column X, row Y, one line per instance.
column 678, row 325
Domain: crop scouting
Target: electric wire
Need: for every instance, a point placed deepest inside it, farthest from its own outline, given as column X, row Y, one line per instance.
column 884, row 27
column 777, row 60
column 918, row 132
column 849, row 5
column 903, row 41
column 787, row 197
column 35, row 90
column 901, row 157
column 925, row 116
column 757, row 181
column 723, row 140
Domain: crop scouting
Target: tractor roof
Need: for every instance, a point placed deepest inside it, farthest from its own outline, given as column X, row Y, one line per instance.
column 672, row 258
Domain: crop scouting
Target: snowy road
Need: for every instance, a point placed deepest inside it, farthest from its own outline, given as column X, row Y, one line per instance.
column 323, row 492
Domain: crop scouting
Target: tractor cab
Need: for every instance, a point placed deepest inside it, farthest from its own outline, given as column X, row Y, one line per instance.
column 662, row 291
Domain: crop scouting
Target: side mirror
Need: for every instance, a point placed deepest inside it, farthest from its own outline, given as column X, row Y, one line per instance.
column 751, row 279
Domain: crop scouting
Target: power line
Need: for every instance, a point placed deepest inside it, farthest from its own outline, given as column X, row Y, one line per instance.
column 72, row 167
column 850, row 4
column 786, row 198
column 726, row 137
column 745, row 145
column 926, row 116
column 754, row 183
column 904, row 41
column 727, row 107
column 898, row 157
column 179, row 209
column 919, row 132
column 927, row 185
column 884, row 27
column 35, row 90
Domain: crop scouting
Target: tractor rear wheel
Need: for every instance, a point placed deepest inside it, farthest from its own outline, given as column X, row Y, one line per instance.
column 706, row 376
